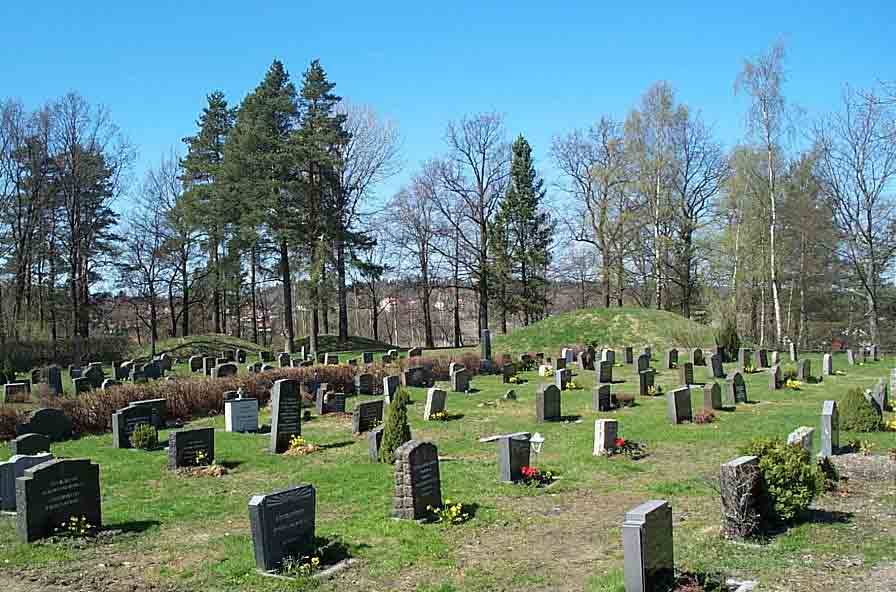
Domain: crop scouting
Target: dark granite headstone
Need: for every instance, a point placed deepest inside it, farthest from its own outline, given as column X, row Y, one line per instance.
column 366, row 415
column 12, row 469
column 52, row 423
column 738, row 388
column 159, row 410
column 364, row 384
column 374, row 439
column 647, row 546
column 686, row 373
column 643, row 363
column 513, row 454
column 715, row 361
column 51, row 493
column 712, row 396
column 29, row 444
column 601, row 399
column 282, row 525
column 435, row 402
column 547, row 403
column 225, row 370
column 191, row 448
column 646, row 380
column 671, row 359
column 367, row 357
column 125, row 421
column 415, row 376
column 678, row 405
column 196, row 363
column 605, row 372
column 286, row 414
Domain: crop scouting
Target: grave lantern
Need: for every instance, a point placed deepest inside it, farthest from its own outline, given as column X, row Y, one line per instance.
column 537, row 442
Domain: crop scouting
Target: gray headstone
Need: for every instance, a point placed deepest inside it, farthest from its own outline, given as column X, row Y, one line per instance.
column 53, row 492
column 460, row 381
column 374, row 440
column 649, row 564
column 286, row 414
column 712, row 396
column 802, row 436
column 774, row 378
column 678, row 405
column 418, row 483
column 561, row 378
column 159, row 409
column 241, row 415
column 513, row 454
column 827, row 365
column 740, row 490
column 850, row 357
column 282, row 525
column 804, row 370
column 187, row 447
column 11, row 470
column 794, row 354
column 830, row 428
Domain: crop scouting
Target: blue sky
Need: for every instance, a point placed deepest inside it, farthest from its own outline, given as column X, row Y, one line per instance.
column 548, row 66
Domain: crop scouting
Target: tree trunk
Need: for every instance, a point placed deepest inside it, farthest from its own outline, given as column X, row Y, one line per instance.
column 185, row 293
column 341, row 292
column 216, row 290
column 657, row 248
column 771, row 245
column 287, row 296
column 252, row 265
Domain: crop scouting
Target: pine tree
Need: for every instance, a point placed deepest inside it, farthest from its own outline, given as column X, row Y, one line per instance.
column 205, row 190
column 522, row 237
column 318, row 140
column 396, row 430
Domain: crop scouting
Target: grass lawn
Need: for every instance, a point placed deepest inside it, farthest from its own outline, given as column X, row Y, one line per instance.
column 192, row 533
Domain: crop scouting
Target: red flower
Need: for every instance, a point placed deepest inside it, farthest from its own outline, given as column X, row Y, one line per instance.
column 619, row 442
column 529, row 472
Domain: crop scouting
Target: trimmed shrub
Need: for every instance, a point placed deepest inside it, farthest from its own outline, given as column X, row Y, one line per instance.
column 858, row 414
column 728, row 339
column 792, row 480
column 145, row 437
column 396, row 430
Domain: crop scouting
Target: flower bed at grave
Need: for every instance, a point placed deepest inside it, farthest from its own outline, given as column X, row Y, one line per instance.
column 299, row 446
column 537, row 477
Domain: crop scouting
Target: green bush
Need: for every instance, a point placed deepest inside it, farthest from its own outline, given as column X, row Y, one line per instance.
column 791, row 479
column 396, row 430
column 727, row 338
column 858, row 414
column 145, row 437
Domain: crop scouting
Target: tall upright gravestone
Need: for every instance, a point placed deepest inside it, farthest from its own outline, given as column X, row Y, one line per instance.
column 649, row 564
column 418, row 483
column 53, row 492
column 514, row 451
column 486, row 344
column 286, row 414
column 282, row 525
column 827, row 365
column 678, row 405
column 715, row 361
column 547, row 403
column 830, row 428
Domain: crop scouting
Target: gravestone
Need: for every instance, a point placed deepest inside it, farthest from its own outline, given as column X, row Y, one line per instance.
column 230, row 395
column 608, row 355
column 52, row 423
column 241, row 415
column 52, row 492
column 95, row 375
column 875, row 352
column 374, row 440
column 241, row 356
column 738, row 388
column 124, row 370
column 879, row 395
column 286, row 413
column 367, row 357
column 712, row 396
column 567, row 354
column 671, row 359
column 165, row 362
column 601, row 398
column 265, row 356
column 460, row 381
column 774, row 378
column 514, row 451
column 225, row 370
column 417, row 480
column 159, row 409
column 284, row 360
column 561, row 378
column 390, row 386
column 108, row 384
column 53, row 378
column 605, row 433
column 827, row 365
column 508, row 371
column 686, row 373
column 435, row 403
column 11, row 470
column 740, row 490
column 830, row 428
column 547, row 403
column 678, row 405
column 191, row 448
column 208, row 362
column 804, row 370
column 649, row 564
column 29, row 444
column 743, row 358
column 331, row 359
column 82, row 384
column 763, row 358
column 802, row 436
column 415, row 352
column 454, row 367
column 643, row 362
column 646, row 382
column 126, row 420
column 559, row 364
column 367, row 415
column 697, row 358
column 605, row 372
column 15, row 392
column 364, row 384
column 794, row 355
column 152, row 371
column 415, row 376
column 330, row 402
column 850, row 357
column 628, row 355
column 715, row 362
column 282, row 525
column 74, row 372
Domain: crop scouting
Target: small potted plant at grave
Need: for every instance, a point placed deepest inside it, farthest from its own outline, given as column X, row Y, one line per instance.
column 630, row 448
column 144, row 437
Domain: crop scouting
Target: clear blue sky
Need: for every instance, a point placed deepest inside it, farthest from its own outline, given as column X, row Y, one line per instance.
column 548, row 66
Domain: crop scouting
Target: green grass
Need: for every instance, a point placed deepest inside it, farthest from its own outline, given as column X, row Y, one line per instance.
column 194, row 531
column 614, row 327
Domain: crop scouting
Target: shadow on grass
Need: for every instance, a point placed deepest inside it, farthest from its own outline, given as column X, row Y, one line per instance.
column 335, row 445
column 136, row 526
column 820, row 516
column 230, row 464
column 568, row 418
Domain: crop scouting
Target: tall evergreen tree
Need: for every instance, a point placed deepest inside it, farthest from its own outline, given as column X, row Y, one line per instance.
column 318, row 143
column 206, row 193
column 521, row 238
column 261, row 168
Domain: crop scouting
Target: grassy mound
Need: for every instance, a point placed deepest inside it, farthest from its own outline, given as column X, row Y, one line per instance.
column 330, row 343
column 616, row 327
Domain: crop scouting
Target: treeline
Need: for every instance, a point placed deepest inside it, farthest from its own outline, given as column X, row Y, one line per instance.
column 789, row 233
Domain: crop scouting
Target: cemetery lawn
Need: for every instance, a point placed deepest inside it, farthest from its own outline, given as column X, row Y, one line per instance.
column 192, row 533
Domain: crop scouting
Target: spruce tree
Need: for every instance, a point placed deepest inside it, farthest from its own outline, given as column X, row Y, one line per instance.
column 522, row 238
column 396, row 430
